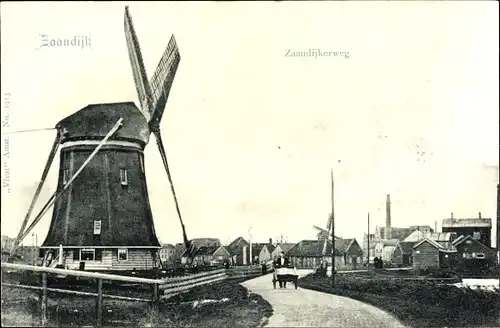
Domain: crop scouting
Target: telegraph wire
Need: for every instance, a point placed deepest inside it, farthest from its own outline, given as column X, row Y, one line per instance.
column 32, row 130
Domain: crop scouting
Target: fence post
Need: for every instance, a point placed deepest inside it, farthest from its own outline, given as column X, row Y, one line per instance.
column 98, row 304
column 155, row 300
column 44, row 300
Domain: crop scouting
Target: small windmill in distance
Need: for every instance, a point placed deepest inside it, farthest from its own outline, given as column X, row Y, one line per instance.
column 325, row 235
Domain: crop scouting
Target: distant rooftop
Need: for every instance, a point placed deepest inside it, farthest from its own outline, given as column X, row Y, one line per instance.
column 466, row 222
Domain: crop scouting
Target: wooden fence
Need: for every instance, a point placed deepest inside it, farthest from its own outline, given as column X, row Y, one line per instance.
column 161, row 289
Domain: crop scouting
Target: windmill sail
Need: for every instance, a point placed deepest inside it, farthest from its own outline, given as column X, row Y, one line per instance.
column 162, row 79
column 138, row 70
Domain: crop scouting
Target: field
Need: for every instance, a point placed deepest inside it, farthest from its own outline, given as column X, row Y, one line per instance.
column 219, row 305
column 415, row 303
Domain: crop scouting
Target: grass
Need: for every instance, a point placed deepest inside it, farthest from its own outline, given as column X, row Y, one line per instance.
column 415, row 303
column 240, row 310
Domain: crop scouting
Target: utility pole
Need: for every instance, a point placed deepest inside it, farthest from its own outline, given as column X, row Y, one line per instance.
column 36, row 249
column 368, row 242
column 33, row 248
column 250, row 238
column 333, row 233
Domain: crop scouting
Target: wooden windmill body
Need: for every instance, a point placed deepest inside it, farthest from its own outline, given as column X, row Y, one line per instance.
column 102, row 218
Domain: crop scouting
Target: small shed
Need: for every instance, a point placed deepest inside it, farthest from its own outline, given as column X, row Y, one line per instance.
column 473, row 257
column 432, row 254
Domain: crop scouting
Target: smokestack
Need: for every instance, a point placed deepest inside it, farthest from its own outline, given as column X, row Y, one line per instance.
column 388, row 218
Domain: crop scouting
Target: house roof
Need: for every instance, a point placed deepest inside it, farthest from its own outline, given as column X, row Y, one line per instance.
column 199, row 242
column 237, row 242
column 417, row 236
column 257, row 248
column 467, row 222
column 389, row 242
column 343, row 244
column 442, row 246
column 234, row 247
column 285, row 247
column 167, row 246
column 312, row 248
column 407, row 247
column 440, row 236
column 206, row 250
column 462, row 239
column 270, row 247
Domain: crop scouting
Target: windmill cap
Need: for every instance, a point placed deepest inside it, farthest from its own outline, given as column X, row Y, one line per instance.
column 94, row 122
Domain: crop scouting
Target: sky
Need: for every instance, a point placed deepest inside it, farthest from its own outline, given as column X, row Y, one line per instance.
column 251, row 134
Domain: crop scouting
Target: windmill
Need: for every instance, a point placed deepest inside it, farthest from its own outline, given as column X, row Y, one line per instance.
column 324, row 235
column 102, row 218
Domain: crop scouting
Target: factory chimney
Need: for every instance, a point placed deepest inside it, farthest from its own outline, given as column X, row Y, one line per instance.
column 388, row 218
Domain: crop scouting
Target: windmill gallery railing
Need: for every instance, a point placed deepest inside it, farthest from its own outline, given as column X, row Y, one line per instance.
column 159, row 289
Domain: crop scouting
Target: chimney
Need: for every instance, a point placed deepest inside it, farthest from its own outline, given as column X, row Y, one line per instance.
column 388, row 218
column 452, row 215
column 479, row 214
column 270, row 241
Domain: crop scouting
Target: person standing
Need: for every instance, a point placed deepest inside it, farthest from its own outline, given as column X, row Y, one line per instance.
column 282, row 262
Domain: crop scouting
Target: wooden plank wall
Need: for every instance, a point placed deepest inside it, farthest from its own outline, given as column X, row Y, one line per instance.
column 139, row 259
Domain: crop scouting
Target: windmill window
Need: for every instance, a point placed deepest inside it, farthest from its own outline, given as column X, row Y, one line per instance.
column 122, row 254
column 87, row 254
column 123, row 177
column 141, row 160
column 97, row 227
column 65, row 176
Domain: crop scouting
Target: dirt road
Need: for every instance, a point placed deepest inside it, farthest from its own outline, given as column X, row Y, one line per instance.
column 307, row 308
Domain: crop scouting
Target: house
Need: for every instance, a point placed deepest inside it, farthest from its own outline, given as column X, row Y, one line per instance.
column 167, row 253
column 237, row 249
column 281, row 247
column 407, row 252
column 429, row 253
column 197, row 243
column 400, row 234
column 479, row 228
column 351, row 251
column 260, row 252
column 7, row 242
column 473, row 257
column 385, row 249
column 211, row 255
column 406, row 246
column 271, row 248
column 179, row 249
column 311, row 253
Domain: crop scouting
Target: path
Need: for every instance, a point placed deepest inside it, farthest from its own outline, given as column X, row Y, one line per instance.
column 308, row 308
